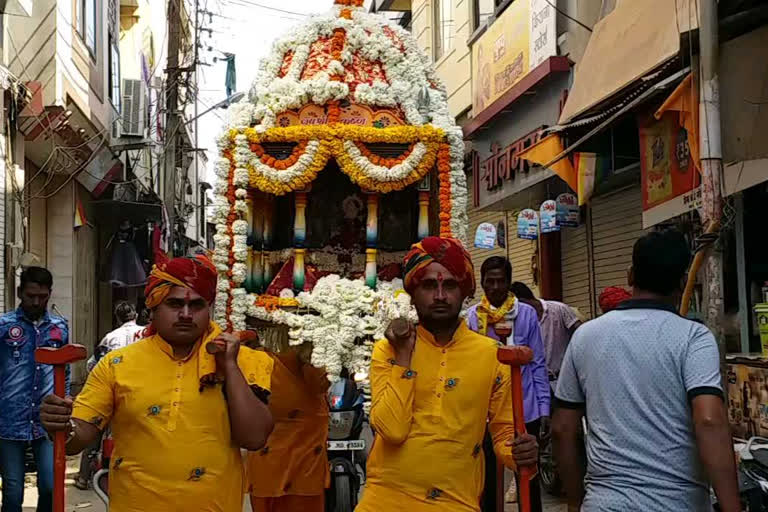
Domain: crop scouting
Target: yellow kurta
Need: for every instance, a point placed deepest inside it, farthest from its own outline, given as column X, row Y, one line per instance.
column 295, row 460
column 173, row 445
column 427, row 454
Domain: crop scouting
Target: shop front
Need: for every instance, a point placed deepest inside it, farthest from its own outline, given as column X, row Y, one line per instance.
column 519, row 83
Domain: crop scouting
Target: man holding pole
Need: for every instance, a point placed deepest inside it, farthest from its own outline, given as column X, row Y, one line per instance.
column 179, row 414
column 434, row 388
column 23, row 384
column 500, row 310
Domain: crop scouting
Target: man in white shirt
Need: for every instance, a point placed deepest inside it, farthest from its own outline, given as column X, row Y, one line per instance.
column 128, row 332
column 558, row 322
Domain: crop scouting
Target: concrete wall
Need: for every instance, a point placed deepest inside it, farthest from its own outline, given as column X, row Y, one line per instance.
column 85, row 297
column 143, row 31
column 60, row 248
column 455, row 66
column 46, row 47
column 575, row 37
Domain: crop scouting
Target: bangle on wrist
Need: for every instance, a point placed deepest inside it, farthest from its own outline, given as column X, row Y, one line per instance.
column 72, row 431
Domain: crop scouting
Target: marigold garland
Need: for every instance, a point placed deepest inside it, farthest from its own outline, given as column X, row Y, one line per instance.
column 276, row 163
column 279, row 188
column 391, row 134
column 231, row 217
column 367, row 182
column 272, row 303
column 444, row 178
column 383, row 161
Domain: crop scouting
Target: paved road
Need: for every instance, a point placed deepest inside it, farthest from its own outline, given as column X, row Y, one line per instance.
column 87, row 501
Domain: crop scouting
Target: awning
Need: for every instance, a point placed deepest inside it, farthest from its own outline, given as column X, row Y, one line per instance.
column 630, row 42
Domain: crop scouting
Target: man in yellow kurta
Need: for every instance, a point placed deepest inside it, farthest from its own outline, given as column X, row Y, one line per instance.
column 434, row 389
column 291, row 472
column 179, row 415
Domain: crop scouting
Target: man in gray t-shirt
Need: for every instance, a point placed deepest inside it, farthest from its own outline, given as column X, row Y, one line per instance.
column 649, row 382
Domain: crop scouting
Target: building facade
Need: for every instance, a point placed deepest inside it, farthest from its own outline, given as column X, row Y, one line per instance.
column 88, row 152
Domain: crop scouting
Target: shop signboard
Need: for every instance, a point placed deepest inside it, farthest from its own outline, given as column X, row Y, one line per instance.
column 528, row 225
column 520, row 39
column 671, row 184
column 568, row 210
column 548, row 216
column 485, row 236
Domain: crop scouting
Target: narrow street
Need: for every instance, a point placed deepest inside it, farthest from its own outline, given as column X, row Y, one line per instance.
column 88, row 501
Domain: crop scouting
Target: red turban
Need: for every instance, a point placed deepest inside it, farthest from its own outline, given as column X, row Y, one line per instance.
column 449, row 253
column 611, row 297
column 196, row 273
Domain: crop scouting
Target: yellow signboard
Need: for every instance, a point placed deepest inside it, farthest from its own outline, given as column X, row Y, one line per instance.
column 516, row 42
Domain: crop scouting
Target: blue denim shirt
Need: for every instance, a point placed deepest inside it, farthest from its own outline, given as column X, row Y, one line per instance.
column 24, row 383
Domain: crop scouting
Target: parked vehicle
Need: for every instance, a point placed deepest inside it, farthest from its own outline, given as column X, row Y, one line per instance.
column 753, row 474
column 100, row 482
column 346, row 448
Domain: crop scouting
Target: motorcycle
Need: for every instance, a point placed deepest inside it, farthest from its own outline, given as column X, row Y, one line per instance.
column 346, row 449
column 752, row 473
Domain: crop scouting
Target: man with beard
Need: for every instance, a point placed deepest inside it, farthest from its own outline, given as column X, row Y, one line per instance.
column 23, row 384
column 179, row 415
column 434, row 389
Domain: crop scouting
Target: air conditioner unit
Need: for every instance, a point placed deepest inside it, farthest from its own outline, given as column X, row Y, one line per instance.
column 134, row 108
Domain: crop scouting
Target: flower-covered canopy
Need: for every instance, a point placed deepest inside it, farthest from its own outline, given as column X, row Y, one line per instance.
column 337, row 83
column 335, row 87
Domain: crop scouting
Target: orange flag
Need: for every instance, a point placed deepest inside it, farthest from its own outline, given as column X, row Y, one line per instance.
column 80, row 218
column 545, row 151
column 685, row 100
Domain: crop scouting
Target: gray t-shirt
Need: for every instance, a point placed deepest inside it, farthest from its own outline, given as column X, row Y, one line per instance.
column 636, row 369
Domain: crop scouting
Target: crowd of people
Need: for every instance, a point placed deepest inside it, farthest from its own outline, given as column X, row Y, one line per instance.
column 182, row 398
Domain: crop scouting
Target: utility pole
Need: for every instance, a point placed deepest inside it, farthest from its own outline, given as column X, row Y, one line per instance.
column 711, row 161
column 173, row 123
column 196, row 181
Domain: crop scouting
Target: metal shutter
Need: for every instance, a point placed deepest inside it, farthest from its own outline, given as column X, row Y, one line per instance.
column 575, row 267
column 617, row 222
column 480, row 255
column 521, row 253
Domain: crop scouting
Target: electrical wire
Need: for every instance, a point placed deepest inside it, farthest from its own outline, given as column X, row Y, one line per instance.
column 262, row 6
column 563, row 13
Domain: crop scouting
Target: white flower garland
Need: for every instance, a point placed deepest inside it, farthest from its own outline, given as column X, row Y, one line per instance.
column 295, row 171
column 381, row 173
column 341, row 318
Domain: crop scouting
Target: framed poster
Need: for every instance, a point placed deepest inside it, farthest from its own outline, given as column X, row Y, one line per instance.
column 528, row 225
column 548, row 216
column 485, row 236
column 568, row 210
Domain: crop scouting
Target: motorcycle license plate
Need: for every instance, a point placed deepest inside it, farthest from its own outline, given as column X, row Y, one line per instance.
column 354, row 444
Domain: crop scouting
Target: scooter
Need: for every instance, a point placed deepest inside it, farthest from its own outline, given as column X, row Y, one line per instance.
column 346, row 449
column 100, row 481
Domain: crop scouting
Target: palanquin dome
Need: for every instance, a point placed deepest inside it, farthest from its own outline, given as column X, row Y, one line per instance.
column 349, row 91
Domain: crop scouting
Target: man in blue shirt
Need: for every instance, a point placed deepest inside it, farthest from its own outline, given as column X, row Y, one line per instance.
column 23, row 384
column 649, row 383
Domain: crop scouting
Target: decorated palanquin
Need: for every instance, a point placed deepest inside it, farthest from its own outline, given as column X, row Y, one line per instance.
column 344, row 155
